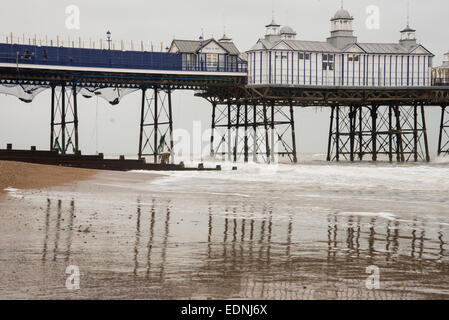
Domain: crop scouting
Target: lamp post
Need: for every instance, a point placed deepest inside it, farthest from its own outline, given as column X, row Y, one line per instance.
column 108, row 37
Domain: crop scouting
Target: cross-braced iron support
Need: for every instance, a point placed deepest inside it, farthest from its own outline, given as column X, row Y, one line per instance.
column 384, row 132
column 64, row 119
column 156, row 125
column 257, row 132
column 443, row 141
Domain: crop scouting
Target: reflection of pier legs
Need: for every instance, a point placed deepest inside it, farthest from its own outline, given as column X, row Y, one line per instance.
column 240, row 247
column 60, row 227
column 156, row 125
column 64, row 119
column 151, row 243
column 154, row 243
column 245, row 131
column 443, row 141
column 392, row 131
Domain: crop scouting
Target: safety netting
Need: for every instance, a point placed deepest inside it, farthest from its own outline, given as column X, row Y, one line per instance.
column 27, row 93
column 112, row 95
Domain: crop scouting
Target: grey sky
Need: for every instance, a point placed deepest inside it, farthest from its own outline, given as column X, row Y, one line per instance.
column 159, row 21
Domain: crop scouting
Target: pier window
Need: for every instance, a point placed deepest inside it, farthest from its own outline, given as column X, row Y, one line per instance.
column 354, row 57
column 212, row 60
column 328, row 62
column 188, row 61
column 304, row 56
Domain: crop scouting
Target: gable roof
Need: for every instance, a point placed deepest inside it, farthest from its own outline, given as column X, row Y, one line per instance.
column 324, row 46
column 192, row 46
column 296, row 45
column 262, row 44
column 319, row 46
column 230, row 47
column 390, row 48
column 385, row 48
column 419, row 46
column 352, row 46
column 282, row 45
column 258, row 46
column 186, row 45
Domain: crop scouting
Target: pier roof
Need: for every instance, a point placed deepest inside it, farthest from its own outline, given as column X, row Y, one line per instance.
column 324, row 46
column 193, row 46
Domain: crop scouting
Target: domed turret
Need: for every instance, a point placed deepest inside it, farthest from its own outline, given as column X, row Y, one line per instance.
column 288, row 33
column 342, row 14
column 272, row 33
column 408, row 37
column 273, row 28
column 408, row 34
column 342, row 33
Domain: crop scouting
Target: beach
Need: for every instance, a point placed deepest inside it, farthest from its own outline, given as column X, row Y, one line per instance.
column 307, row 231
column 34, row 176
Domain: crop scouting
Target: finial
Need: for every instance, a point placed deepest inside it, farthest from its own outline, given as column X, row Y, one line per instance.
column 342, row 4
column 408, row 13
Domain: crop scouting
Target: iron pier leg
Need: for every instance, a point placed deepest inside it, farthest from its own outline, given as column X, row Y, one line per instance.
column 360, row 109
column 142, row 115
column 75, row 118
column 272, row 150
column 352, row 120
column 440, row 137
column 153, row 138
column 170, row 121
column 214, row 107
column 424, row 128
column 63, row 130
column 63, row 123
column 292, row 124
column 265, row 123
column 374, row 131
column 255, row 133
column 246, row 134
column 156, row 120
column 415, row 132
column 52, row 123
column 442, row 130
column 329, row 143
column 400, row 147
column 236, row 139
column 390, row 133
column 337, row 134
column 229, row 131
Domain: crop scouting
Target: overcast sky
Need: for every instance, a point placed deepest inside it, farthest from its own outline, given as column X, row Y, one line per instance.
column 161, row 21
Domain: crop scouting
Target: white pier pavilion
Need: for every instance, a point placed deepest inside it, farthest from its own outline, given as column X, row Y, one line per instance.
column 279, row 59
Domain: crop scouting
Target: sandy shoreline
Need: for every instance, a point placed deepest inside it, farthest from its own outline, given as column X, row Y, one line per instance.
column 22, row 175
column 303, row 232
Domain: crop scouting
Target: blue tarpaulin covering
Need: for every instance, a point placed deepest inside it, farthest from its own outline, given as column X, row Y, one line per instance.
column 93, row 58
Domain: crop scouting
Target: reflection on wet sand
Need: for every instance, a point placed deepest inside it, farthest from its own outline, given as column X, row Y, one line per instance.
column 57, row 231
column 266, row 269
column 244, row 251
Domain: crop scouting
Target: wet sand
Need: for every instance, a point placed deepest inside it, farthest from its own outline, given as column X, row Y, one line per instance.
column 308, row 234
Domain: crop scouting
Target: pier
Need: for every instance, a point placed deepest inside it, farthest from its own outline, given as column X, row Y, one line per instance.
column 377, row 94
